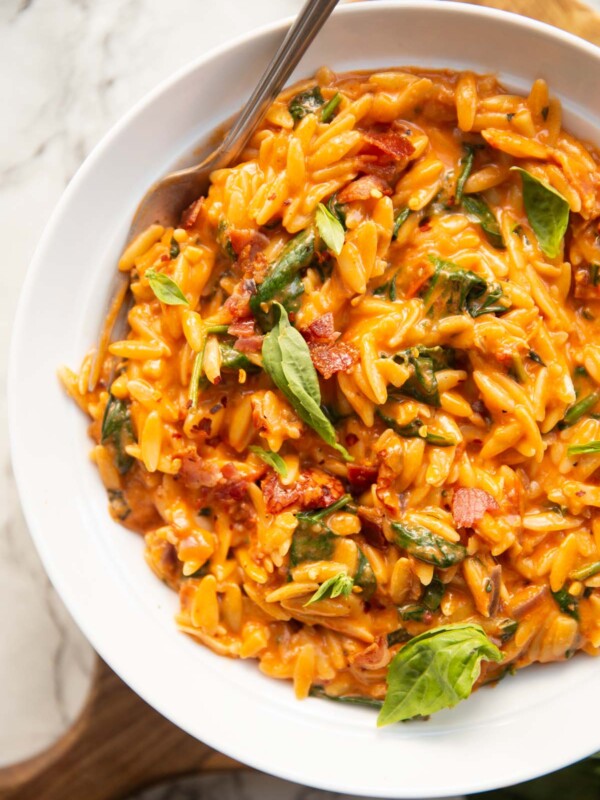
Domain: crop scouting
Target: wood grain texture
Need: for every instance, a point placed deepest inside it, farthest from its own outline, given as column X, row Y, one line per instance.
column 119, row 745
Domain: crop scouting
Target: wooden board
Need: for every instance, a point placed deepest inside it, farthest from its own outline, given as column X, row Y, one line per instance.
column 119, row 745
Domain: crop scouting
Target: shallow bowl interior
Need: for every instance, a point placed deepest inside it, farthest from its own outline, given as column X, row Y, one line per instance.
column 500, row 736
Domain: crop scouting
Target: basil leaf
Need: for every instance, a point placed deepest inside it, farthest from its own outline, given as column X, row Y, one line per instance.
column 427, row 546
column 466, row 167
column 547, row 212
column 328, row 110
column 270, row 458
column 476, row 207
column 340, row 584
column 574, row 413
column 434, row 594
column 287, row 361
column 400, row 218
column 337, row 209
column 306, row 102
column 584, row 449
column 365, row 577
column 165, row 288
column 435, row 670
column 330, row 229
column 117, row 429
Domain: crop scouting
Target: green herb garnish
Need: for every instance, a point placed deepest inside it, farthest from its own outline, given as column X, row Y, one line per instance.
column 427, row 546
column 330, row 229
column 165, row 289
column 567, row 603
column 400, row 217
column 435, row 670
column 340, row 584
column 547, row 212
column 584, row 449
column 466, row 167
column 307, row 102
column 270, row 458
column 117, row 429
column 575, row 412
column 287, row 361
column 328, row 110
column 476, row 207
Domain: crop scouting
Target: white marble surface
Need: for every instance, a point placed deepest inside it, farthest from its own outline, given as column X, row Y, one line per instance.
column 68, row 70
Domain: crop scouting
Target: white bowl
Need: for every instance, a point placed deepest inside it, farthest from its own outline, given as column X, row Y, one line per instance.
column 534, row 723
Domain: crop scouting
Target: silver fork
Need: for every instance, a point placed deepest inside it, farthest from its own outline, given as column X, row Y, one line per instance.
column 165, row 201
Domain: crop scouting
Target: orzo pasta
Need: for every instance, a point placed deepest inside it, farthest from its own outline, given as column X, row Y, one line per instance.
column 355, row 413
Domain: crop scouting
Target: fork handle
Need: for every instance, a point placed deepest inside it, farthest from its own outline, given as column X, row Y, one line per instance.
column 304, row 29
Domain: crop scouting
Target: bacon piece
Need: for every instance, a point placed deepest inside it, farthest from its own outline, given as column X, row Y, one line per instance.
column 376, row 656
column 321, row 331
column 249, row 344
column 242, row 328
column 240, row 239
column 197, row 473
column 469, row 506
column 238, row 303
column 392, row 146
column 253, row 263
column 371, row 527
column 363, row 189
column 332, row 358
column 190, row 215
column 315, row 488
column 361, row 476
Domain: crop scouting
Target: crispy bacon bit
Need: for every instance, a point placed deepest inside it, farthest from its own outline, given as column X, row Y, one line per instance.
column 253, row 263
column 238, row 304
column 392, row 146
column 469, row 506
column 197, row 473
column 240, row 239
column 249, row 344
column 361, row 476
column 332, row 358
column 313, row 489
column 190, row 215
column 242, row 328
column 587, row 283
column 371, row 520
column 363, row 189
column 376, row 656
column 321, row 331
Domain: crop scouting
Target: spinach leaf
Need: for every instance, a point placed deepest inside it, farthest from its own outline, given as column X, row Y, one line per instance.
column 535, row 357
column 340, row 584
column 583, row 573
column 425, row 362
column 453, row 290
column 476, row 207
column 328, row 110
column 174, row 248
column 414, row 430
column 567, row 603
column 388, row 288
column 584, row 449
column 297, row 254
column 508, row 628
column 287, row 361
column 330, row 229
column 398, row 636
column 311, row 543
column 224, row 240
column 307, row 102
column 400, row 218
column 365, row 577
column 354, row 700
column 575, row 412
column 435, row 670
column 415, row 612
column 165, row 288
column 547, row 212
column 427, row 546
column 270, row 458
column 319, row 514
column 466, row 167
column 118, row 430
column 434, row 594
